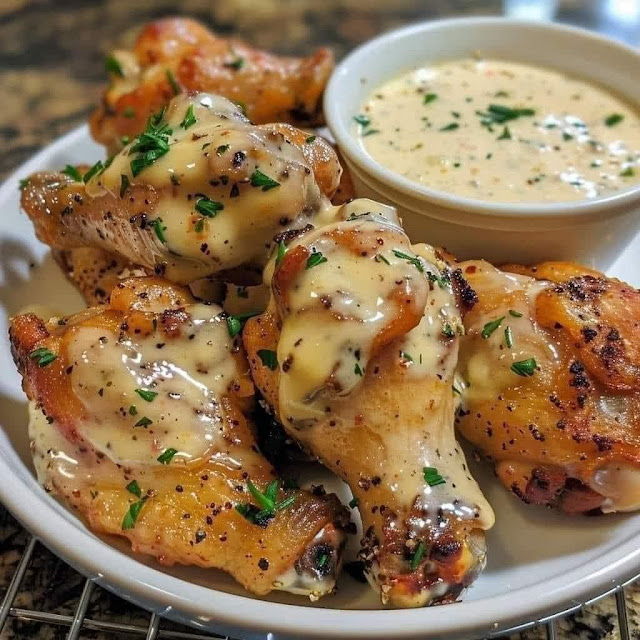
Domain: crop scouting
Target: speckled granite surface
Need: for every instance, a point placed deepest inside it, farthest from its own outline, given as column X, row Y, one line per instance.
column 50, row 76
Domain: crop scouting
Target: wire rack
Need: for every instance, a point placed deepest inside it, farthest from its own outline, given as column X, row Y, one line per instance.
column 81, row 619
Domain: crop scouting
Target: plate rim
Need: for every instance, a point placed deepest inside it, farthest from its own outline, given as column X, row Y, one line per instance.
column 209, row 608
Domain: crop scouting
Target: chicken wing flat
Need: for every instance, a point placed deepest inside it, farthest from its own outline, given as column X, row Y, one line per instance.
column 356, row 355
column 202, row 191
column 551, row 369
column 139, row 423
column 177, row 54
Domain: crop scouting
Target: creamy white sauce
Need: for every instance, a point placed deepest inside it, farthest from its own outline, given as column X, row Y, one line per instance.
column 444, row 126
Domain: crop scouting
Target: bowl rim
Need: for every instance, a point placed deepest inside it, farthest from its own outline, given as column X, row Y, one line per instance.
column 353, row 151
column 208, row 608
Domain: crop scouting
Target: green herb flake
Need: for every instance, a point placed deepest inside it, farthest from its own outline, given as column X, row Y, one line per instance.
column 452, row 126
column 129, row 520
column 310, row 139
column 72, row 172
column 628, row 172
column 189, row 118
column 236, row 64
column 124, row 184
column 159, row 229
column 143, row 422
column 173, row 83
column 24, row 183
column 97, row 168
column 145, row 394
column 125, row 140
column 613, row 119
column 112, row 65
column 448, row 331
column 508, row 337
column 133, row 410
column 353, row 503
column 380, row 258
column 405, row 356
column 566, row 136
column 417, row 555
column 208, row 208
column 269, row 358
column 315, row 259
column 43, row 355
column 490, row 327
column 432, row 477
column 259, row 179
column 357, row 370
column 134, row 488
column 129, row 112
column 414, row 260
column 222, row 149
column 505, row 135
column 362, row 120
column 282, row 252
column 267, row 501
column 525, row 368
column 139, row 163
column 370, row 132
column 514, row 313
column 167, row 455
column 236, row 322
column 322, row 560
column 429, row 97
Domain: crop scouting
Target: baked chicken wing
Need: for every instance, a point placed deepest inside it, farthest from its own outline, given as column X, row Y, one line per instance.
column 177, row 54
column 356, row 355
column 202, row 191
column 551, row 391
column 139, row 423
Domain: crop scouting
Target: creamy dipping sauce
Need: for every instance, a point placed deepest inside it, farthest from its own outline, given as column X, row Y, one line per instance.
column 502, row 131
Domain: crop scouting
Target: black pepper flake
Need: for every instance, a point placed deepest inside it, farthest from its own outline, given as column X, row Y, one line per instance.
column 263, row 563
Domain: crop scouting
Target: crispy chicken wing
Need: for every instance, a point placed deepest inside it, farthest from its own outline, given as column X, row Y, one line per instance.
column 179, row 54
column 551, row 369
column 139, row 423
column 202, row 191
column 355, row 354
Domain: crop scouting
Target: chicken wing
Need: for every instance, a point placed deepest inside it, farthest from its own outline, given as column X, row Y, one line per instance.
column 139, row 423
column 202, row 191
column 178, row 54
column 551, row 391
column 356, row 354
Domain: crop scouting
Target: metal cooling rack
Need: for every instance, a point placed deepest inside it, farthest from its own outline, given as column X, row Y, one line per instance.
column 79, row 625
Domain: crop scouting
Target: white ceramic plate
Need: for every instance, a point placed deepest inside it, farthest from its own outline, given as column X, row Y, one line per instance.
column 540, row 562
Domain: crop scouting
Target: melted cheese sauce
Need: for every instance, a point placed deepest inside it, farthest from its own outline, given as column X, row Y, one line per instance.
column 187, row 374
column 217, row 158
column 502, row 131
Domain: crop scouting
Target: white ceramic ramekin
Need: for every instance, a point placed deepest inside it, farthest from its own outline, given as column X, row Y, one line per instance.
column 593, row 231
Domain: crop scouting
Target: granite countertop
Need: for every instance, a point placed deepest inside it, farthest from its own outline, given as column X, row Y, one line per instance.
column 51, row 74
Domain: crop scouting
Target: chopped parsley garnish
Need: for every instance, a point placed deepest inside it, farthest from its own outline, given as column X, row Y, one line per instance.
column 147, row 395
column 133, row 410
column 353, row 503
column 380, row 258
column 362, row 120
column 72, row 172
column 490, row 327
column 405, row 356
column 443, row 280
column 189, row 118
column 315, row 259
column 124, row 184
column 508, row 337
column 112, row 65
column 322, row 560
column 173, row 83
column 143, row 422
column 282, row 252
column 129, row 520
column 152, row 144
column 134, row 488
column 310, row 139
column 448, row 331
column 370, row 132
column 208, row 208
column 414, row 260
column 159, row 229
column 566, row 136
column 357, row 370
column 500, row 94
column 505, row 135
column 167, row 455
column 125, row 140
column 259, row 179
column 236, row 322
column 97, row 167
column 43, row 355
column 452, row 126
column 613, row 119
column 524, row 368
column 269, row 358
column 222, row 148
column 24, row 183
column 628, row 172
column 199, row 226
column 417, row 555
column 146, row 160
column 267, row 501
column 432, row 477
column 514, row 313
column 237, row 64
column 429, row 97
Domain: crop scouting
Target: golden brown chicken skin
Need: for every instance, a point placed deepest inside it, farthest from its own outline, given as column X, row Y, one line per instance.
column 551, row 370
column 181, row 55
column 355, row 355
column 139, row 423
column 202, row 191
